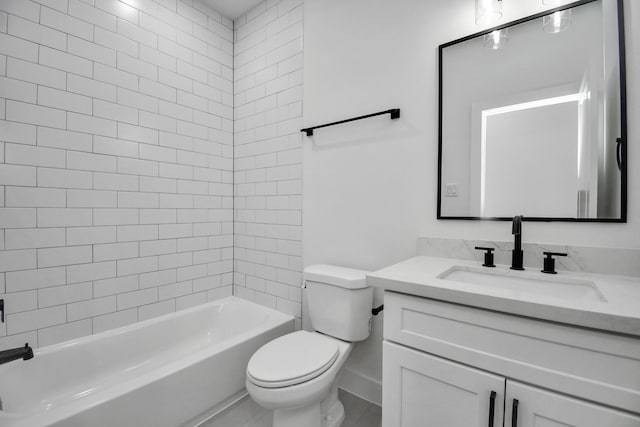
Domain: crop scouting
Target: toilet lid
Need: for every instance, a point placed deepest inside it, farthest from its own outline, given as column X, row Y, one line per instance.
column 292, row 359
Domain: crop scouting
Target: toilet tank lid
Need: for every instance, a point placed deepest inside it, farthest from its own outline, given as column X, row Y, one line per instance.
column 343, row 277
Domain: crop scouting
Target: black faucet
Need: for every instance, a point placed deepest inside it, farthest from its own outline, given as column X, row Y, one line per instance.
column 24, row 353
column 516, row 254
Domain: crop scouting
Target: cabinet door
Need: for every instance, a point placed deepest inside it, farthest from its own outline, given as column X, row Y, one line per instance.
column 541, row 408
column 421, row 390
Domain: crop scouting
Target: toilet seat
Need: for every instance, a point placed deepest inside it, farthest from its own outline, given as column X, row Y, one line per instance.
column 292, row 359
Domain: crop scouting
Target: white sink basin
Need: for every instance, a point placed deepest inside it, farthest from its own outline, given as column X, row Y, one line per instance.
column 523, row 284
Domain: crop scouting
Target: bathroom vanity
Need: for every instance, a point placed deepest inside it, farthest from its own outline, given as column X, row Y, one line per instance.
column 471, row 346
column 466, row 345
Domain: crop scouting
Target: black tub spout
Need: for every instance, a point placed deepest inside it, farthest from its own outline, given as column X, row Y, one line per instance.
column 24, row 353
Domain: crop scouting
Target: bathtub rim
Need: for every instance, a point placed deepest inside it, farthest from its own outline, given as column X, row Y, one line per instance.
column 148, row 322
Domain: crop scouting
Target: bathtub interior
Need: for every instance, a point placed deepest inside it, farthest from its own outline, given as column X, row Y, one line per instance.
column 77, row 369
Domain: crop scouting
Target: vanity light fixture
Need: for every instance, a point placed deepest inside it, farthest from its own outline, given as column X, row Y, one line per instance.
column 496, row 39
column 557, row 21
column 488, row 12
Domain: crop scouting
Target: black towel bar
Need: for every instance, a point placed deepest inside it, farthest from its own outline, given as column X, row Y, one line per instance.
column 394, row 113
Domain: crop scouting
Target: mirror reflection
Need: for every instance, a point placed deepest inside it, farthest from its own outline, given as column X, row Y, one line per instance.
column 531, row 118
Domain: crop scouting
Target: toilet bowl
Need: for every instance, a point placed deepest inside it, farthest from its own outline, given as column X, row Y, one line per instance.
column 300, row 389
column 295, row 374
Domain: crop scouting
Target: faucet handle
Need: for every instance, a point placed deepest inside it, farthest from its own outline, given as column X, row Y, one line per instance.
column 549, row 264
column 488, row 256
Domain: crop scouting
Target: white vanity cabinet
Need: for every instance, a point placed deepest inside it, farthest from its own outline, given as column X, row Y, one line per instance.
column 540, row 408
column 423, row 390
column 442, row 361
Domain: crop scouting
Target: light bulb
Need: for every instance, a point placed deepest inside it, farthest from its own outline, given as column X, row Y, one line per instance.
column 488, row 12
column 557, row 21
column 496, row 39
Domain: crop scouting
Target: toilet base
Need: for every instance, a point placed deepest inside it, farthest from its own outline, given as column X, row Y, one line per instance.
column 335, row 416
column 327, row 413
column 332, row 409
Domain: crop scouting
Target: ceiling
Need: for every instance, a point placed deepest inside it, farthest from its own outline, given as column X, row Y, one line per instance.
column 232, row 9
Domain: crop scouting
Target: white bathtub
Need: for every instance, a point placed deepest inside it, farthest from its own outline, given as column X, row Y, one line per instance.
column 174, row 370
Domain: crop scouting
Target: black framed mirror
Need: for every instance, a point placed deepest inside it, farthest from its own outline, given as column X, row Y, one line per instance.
column 532, row 118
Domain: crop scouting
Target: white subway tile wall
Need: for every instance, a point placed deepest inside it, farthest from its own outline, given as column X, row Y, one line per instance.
column 268, row 155
column 116, row 162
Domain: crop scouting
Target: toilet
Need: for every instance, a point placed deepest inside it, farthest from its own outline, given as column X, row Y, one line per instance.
column 295, row 374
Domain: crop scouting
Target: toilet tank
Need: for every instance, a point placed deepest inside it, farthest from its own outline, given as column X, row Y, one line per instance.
column 339, row 301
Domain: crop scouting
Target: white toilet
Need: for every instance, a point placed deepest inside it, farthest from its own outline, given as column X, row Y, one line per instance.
column 295, row 374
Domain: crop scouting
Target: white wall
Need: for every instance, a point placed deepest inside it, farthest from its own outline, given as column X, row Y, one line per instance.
column 370, row 187
column 268, row 155
column 116, row 158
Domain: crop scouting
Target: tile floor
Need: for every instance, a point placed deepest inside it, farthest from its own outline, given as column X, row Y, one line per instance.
column 246, row 413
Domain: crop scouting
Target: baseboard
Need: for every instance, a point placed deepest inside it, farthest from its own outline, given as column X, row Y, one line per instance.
column 365, row 387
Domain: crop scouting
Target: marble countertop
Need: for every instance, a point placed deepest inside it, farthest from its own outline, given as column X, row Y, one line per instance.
column 615, row 309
